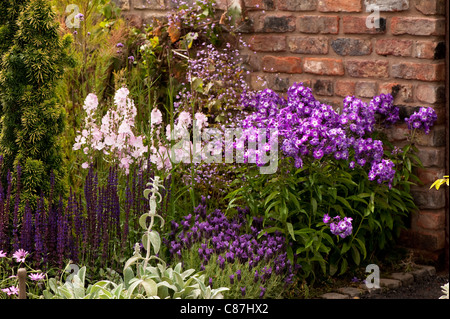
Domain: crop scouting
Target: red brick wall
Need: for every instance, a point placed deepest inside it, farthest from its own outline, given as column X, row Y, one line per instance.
column 327, row 45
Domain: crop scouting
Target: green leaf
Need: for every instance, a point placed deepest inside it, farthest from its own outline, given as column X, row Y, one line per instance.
column 345, row 202
column 290, row 230
column 314, row 205
column 355, row 255
column 362, row 247
column 345, row 247
column 344, row 266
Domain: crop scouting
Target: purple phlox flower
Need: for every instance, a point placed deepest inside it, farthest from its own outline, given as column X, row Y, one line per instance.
column 424, row 118
column 341, row 227
column 384, row 170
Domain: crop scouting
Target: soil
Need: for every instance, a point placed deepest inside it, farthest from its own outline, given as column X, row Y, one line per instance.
column 427, row 288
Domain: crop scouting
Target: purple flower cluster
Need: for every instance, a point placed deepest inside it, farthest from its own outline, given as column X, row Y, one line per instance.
column 226, row 239
column 340, row 227
column 423, row 119
column 384, row 170
column 384, row 105
column 310, row 130
column 78, row 229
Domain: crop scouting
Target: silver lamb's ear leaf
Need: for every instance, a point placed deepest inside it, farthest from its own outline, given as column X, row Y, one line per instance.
column 146, row 192
column 150, row 287
column 143, row 220
column 155, row 240
column 131, row 261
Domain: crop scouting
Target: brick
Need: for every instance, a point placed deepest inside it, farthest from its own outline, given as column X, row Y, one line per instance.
column 366, row 89
column 430, row 240
column 339, row 6
column 351, row 46
column 344, row 88
column 398, row 133
column 357, row 25
column 258, row 82
column 433, row 50
column 394, row 47
column 275, row 64
column 430, row 219
column 367, row 68
column 297, row 5
column 278, row 83
column 430, row 93
column 418, row 26
column 436, row 137
column 425, row 199
column 308, row 45
column 259, row 4
column 318, row 24
column 323, row 66
column 429, row 7
column 323, row 87
column 387, row 5
column 151, row 4
column 400, row 91
column 432, row 156
column 419, row 71
column 429, row 175
column 267, row 43
column 276, row 23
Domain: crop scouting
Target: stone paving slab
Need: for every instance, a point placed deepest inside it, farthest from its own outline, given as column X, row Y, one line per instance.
column 419, row 274
column 334, row 295
column 394, row 281
column 390, row 283
column 404, row 277
column 351, row 291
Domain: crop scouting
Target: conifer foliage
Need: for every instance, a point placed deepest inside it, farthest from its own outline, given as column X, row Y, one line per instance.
column 32, row 119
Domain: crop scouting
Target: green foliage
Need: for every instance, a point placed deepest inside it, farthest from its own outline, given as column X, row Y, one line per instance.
column 9, row 11
column 148, row 281
column 294, row 201
column 275, row 286
column 33, row 119
column 96, row 60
